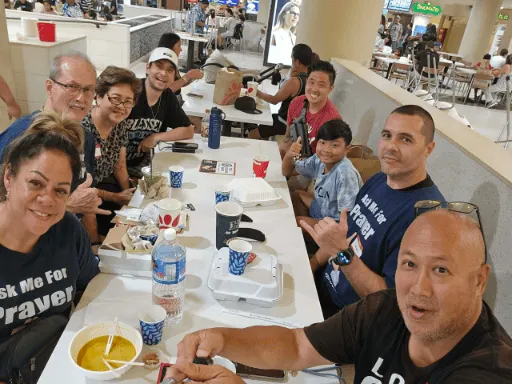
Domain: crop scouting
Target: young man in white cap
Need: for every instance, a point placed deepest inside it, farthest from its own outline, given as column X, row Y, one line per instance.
column 157, row 111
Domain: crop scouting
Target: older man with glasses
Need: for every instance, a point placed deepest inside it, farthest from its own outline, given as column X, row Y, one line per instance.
column 70, row 92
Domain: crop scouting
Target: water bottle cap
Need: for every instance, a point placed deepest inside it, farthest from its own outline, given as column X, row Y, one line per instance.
column 170, row 234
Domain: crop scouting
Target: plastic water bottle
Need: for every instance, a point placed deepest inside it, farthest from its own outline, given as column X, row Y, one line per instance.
column 169, row 261
column 205, row 126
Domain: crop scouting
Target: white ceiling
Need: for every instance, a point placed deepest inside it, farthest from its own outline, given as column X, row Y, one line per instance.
column 506, row 3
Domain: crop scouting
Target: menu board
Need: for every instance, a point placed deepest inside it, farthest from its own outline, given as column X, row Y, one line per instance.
column 399, row 5
column 253, row 6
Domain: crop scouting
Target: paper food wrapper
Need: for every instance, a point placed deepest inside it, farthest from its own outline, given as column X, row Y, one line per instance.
column 114, row 239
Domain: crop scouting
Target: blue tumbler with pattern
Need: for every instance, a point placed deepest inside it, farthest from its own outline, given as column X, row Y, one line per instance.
column 215, row 129
column 152, row 322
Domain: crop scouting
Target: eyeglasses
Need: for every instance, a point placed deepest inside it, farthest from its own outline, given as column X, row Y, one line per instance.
column 129, row 104
column 76, row 89
column 455, row 206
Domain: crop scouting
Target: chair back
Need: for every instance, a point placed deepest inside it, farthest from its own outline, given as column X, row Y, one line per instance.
column 484, row 74
column 239, row 32
column 404, row 67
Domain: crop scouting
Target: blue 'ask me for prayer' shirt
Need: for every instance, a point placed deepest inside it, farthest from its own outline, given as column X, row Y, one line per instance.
column 380, row 218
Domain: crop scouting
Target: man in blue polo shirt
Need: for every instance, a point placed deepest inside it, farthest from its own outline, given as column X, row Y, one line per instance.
column 368, row 237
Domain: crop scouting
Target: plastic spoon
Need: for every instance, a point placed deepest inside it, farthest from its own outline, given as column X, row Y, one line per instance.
column 125, row 362
column 110, row 339
column 111, row 369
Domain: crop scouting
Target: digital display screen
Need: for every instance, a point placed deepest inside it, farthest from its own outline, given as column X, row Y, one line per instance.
column 399, row 5
column 281, row 37
column 253, row 6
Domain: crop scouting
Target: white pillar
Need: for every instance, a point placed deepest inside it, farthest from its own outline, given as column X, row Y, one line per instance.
column 263, row 11
column 340, row 28
column 5, row 67
column 481, row 24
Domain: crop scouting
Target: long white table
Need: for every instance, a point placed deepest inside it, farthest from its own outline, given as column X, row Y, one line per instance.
column 113, row 295
column 195, row 106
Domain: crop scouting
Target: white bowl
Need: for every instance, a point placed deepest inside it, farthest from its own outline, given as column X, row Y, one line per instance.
column 90, row 332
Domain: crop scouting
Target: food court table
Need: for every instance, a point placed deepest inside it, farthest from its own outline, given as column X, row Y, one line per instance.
column 190, row 49
column 120, row 295
column 196, row 106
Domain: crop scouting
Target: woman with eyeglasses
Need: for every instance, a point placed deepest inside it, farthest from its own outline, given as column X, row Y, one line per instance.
column 283, row 33
column 117, row 90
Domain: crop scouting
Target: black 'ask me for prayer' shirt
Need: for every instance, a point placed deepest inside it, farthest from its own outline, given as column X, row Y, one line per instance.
column 372, row 335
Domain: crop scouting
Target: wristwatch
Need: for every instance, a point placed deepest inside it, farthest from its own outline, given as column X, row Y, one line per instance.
column 343, row 257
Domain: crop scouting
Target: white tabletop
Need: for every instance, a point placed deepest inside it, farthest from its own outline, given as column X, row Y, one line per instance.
column 188, row 36
column 195, row 106
column 111, row 295
column 468, row 71
column 451, row 54
column 389, row 60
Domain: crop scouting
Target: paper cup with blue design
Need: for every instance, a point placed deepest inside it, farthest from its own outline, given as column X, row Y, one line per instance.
column 222, row 193
column 152, row 321
column 239, row 251
column 176, row 175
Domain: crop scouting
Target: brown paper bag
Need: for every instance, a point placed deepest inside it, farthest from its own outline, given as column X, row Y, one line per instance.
column 364, row 161
column 227, row 86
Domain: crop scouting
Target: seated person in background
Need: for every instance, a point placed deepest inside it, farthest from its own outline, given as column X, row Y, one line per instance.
column 380, row 42
column 72, row 9
column 23, row 5
column 501, row 84
column 45, row 243
column 485, row 63
column 116, row 92
column 397, row 52
column 70, row 92
column 384, row 209
column 173, row 42
column 312, row 109
column 435, row 327
column 13, row 109
column 428, row 58
column 295, row 85
column 337, row 182
column 498, row 61
column 156, row 110
column 229, row 24
column 93, row 15
column 48, row 10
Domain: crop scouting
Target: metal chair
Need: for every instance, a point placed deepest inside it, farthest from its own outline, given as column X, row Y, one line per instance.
column 481, row 80
column 399, row 72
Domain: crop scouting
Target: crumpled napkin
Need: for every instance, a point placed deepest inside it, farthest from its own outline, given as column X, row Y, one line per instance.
column 155, row 187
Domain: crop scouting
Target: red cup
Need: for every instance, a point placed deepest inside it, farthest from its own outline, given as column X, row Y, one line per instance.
column 46, row 31
column 259, row 166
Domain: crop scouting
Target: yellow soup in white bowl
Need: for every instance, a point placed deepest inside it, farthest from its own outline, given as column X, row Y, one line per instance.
column 88, row 346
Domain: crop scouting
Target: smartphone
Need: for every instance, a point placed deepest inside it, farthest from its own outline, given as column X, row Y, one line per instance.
column 260, row 374
column 195, row 95
column 184, row 147
column 163, row 371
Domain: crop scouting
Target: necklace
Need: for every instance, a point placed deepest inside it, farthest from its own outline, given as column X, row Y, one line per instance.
column 157, row 109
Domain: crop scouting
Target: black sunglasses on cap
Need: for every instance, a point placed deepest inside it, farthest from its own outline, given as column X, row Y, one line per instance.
column 454, row 206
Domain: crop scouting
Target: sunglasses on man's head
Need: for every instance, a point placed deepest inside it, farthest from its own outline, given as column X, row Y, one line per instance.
column 454, row 206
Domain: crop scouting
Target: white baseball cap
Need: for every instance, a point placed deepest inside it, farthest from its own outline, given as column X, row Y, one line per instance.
column 164, row 54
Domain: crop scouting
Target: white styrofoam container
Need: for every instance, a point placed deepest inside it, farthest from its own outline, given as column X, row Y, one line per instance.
column 124, row 263
column 261, row 284
column 254, row 191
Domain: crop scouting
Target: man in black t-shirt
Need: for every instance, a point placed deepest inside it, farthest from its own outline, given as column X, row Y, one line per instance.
column 435, row 328
column 156, row 111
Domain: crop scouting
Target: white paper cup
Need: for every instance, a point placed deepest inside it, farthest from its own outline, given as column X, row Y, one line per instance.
column 252, row 89
column 238, row 256
column 169, row 211
column 152, row 321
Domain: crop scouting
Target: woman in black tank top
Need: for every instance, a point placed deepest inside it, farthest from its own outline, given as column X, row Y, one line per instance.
column 302, row 57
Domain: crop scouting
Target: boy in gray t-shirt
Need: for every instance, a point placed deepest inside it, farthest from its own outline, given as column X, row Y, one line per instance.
column 337, row 182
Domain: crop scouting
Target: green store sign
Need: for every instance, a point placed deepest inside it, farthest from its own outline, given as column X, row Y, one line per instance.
column 427, row 8
column 501, row 16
